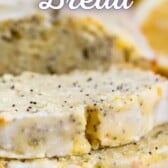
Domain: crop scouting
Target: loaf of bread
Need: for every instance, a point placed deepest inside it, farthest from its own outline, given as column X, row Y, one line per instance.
column 46, row 116
column 48, row 42
column 149, row 152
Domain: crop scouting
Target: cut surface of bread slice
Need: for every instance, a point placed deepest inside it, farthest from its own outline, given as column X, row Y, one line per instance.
column 45, row 42
column 152, row 17
column 46, row 116
column 150, row 152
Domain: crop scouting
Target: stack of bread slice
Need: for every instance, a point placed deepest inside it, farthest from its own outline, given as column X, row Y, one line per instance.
column 102, row 115
column 84, row 119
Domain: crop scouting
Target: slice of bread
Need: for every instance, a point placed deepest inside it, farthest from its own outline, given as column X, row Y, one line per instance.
column 48, row 42
column 150, row 152
column 46, row 116
column 152, row 17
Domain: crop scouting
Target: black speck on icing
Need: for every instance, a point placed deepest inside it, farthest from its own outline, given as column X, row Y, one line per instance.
column 12, row 87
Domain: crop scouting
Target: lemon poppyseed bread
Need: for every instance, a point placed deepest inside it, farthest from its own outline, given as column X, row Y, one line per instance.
column 150, row 152
column 46, row 116
column 152, row 18
column 56, row 42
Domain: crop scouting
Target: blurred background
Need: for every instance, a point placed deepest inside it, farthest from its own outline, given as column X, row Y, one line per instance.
column 144, row 25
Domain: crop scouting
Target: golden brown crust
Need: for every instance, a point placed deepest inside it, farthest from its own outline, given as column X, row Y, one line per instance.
column 2, row 121
column 1, row 166
column 137, row 164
